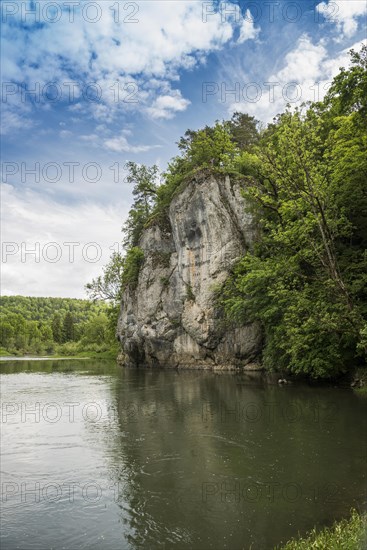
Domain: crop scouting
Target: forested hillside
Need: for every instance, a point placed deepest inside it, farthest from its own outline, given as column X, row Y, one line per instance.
column 63, row 326
column 304, row 180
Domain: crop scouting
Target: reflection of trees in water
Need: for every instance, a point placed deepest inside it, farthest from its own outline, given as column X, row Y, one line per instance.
column 182, row 430
column 80, row 366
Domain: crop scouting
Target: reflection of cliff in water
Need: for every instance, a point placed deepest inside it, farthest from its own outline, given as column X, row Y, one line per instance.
column 207, row 460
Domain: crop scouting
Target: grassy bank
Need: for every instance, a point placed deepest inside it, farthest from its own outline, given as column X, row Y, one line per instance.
column 72, row 352
column 347, row 534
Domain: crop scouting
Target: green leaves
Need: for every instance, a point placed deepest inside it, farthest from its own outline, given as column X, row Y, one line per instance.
column 108, row 286
column 348, row 92
column 131, row 267
column 145, row 180
column 48, row 325
column 305, row 281
column 243, row 129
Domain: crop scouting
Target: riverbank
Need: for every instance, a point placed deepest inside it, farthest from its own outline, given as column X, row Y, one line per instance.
column 88, row 354
column 349, row 534
column 357, row 381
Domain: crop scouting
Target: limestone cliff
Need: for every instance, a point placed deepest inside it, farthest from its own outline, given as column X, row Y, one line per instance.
column 170, row 319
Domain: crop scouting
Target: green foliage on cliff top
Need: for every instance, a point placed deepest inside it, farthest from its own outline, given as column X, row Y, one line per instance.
column 217, row 149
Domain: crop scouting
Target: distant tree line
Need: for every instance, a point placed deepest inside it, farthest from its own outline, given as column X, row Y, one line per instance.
column 31, row 325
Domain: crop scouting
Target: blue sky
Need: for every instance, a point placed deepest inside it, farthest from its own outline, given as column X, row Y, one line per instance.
column 114, row 81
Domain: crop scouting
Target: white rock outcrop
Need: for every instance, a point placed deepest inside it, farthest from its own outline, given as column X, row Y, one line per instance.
column 170, row 319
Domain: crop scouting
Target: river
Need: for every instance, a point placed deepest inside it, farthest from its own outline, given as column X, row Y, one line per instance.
column 99, row 457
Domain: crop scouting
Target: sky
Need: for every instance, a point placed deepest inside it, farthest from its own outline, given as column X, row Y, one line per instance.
column 88, row 86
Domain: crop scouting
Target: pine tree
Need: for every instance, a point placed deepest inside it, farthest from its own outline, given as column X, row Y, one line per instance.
column 68, row 327
column 56, row 328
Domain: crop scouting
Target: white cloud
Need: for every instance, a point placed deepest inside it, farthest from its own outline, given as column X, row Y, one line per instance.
column 344, row 13
column 248, row 31
column 166, row 106
column 36, row 221
column 164, row 39
column 65, row 133
column 91, row 138
column 303, row 63
column 306, row 75
column 120, row 144
column 12, row 121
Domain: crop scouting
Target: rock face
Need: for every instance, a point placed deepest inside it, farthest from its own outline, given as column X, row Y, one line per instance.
column 170, row 319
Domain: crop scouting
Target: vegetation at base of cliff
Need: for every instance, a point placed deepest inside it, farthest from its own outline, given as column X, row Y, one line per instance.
column 348, row 534
column 56, row 326
column 304, row 180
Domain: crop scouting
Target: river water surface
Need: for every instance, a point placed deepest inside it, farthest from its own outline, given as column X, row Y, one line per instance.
column 98, row 457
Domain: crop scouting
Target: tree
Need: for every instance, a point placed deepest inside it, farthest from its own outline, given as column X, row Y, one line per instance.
column 120, row 269
column 107, row 287
column 348, row 92
column 305, row 280
column 6, row 333
column 243, row 129
column 211, row 147
column 97, row 330
column 57, row 328
column 68, row 327
column 145, row 180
